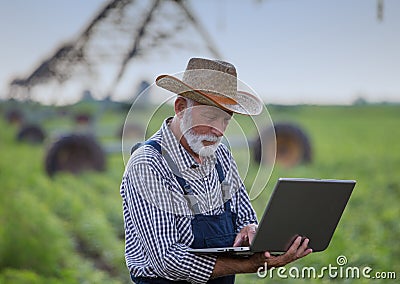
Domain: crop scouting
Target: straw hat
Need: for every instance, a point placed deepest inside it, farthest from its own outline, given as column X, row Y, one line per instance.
column 212, row 82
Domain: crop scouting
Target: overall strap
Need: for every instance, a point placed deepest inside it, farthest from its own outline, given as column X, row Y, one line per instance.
column 188, row 191
column 154, row 144
column 221, row 175
column 225, row 187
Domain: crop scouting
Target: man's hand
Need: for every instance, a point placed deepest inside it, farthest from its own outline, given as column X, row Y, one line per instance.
column 297, row 250
column 228, row 265
column 245, row 236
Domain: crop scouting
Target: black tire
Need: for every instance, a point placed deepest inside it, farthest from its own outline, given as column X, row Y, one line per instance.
column 32, row 134
column 292, row 146
column 75, row 153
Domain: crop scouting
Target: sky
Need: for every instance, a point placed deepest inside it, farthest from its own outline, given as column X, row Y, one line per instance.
column 287, row 51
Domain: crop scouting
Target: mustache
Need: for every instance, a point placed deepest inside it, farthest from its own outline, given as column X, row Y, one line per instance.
column 197, row 138
column 209, row 138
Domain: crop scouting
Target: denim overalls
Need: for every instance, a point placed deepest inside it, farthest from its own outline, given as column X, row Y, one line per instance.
column 208, row 230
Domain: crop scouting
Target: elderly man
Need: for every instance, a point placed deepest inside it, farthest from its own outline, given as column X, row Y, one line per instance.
column 182, row 188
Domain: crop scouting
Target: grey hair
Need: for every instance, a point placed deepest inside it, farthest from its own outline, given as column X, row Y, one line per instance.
column 189, row 102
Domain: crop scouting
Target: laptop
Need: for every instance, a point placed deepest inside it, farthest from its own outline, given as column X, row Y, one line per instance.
column 309, row 208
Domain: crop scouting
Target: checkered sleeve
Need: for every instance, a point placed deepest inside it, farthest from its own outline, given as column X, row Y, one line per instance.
column 163, row 237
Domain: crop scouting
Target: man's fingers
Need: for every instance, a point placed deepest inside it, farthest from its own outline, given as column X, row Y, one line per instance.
column 307, row 252
column 298, row 249
column 306, row 249
column 245, row 236
column 305, row 244
column 302, row 248
column 294, row 247
column 251, row 234
column 238, row 240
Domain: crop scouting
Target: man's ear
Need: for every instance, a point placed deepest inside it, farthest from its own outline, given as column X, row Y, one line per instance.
column 179, row 106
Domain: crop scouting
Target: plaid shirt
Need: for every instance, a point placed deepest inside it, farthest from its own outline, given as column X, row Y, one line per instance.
column 157, row 217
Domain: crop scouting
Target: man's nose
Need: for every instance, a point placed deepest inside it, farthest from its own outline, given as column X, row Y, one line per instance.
column 218, row 127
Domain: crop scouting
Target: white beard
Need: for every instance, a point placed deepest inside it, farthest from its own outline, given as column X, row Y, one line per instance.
column 194, row 140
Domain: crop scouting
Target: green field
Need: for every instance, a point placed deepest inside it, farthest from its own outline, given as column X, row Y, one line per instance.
column 69, row 229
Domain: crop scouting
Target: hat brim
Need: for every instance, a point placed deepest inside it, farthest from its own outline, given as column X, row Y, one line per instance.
column 244, row 103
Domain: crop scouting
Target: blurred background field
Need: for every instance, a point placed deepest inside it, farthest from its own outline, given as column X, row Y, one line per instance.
column 69, row 229
column 330, row 68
